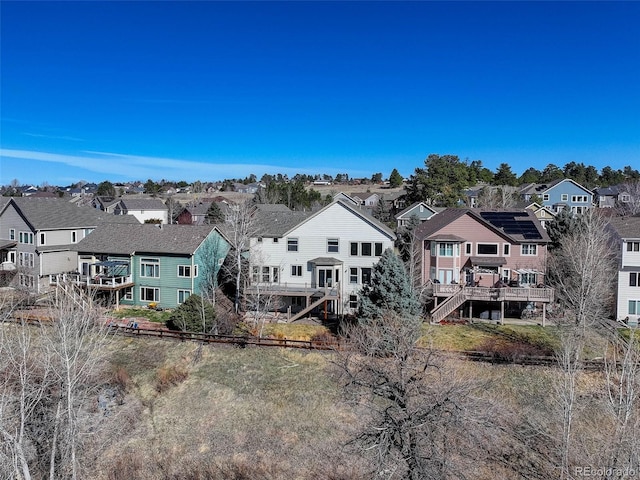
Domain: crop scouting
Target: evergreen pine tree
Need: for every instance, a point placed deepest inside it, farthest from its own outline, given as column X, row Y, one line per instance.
column 389, row 290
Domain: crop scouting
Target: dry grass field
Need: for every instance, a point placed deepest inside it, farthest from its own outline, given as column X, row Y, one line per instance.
column 220, row 412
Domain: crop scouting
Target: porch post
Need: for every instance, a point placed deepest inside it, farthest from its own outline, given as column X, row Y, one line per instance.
column 502, row 312
column 471, row 311
column 544, row 313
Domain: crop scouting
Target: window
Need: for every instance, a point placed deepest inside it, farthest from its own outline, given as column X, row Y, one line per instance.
column 365, row 249
column 26, row 237
column 296, row 270
column 259, row 239
column 487, row 249
column 275, row 239
column 545, row 197
column 467, row 248
column 564, row 197
column 579, row 198
column 530, row 249
column 26, row 281
column 26, row 259
column 148, row 294
column 184, row 271
column 506, row 248
column 183, row 295
column 266, row 274
column 445, row 249
column 353, row 247
column 128, row 293
column 527, row 278
column 633, row 246
column 42, row 239
column 378, row 249
column 624, row 198
column 12, row 234
column 633, row 279
column 634, row 307
column 333, row 245
column 366, row 276
column 353, row 275
column 292, row 244
column 74, row 237
column 255, row 274
column 150, row 267
column 275, row 271
column 353, row 301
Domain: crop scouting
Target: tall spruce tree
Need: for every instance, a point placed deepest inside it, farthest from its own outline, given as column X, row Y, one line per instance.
column 389, row 291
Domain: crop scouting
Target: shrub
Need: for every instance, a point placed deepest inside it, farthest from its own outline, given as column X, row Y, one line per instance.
column 167, row 377
column 195, row 315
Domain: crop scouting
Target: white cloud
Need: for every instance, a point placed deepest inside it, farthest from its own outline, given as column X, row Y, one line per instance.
column 122, row 167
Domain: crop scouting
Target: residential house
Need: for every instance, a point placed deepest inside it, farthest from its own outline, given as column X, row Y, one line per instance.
column 559, row 195
column 37, row 236
column 196, row 214
column 484, row 256
column 542, row 213
column 616, row 196
column 105, row 203
column 144, row 209
column 366, row 199
column 249, row 188
column 149, row 264
column 626, row 240
column 320, row 259
column 420, row 210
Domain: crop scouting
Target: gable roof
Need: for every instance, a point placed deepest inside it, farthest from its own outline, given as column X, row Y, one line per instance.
column 280, row 223
column 143, row 204
column 515, row 225
column 53, row 213
column 541, row 188
column 146, row 238
column 413, row 206
column 626, row 227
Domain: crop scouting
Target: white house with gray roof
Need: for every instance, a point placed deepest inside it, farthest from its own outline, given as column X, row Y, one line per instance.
column 316, row 259
column 144, row 209
column 37, row 236
column 626, row 240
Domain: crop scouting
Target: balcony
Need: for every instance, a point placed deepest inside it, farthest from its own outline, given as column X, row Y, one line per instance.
column 98, row 282
column 497, row 294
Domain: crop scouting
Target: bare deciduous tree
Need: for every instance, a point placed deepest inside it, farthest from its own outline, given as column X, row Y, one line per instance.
column 630, row 204
column 425, row 419
column 240, row 226
column 47, row 388
column 582, row 269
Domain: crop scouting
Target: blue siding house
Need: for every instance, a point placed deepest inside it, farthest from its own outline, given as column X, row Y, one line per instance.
column 560, row 194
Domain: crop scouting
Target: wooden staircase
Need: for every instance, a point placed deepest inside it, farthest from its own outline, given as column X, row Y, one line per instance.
column 448, row 306
column 304, row 311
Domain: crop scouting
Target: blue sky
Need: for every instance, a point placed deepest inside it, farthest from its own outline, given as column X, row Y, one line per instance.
column 213, row 90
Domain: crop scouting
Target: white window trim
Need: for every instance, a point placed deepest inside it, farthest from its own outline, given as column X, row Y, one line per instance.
column 564, row 197
column 295, row 269
column 336, row 245
column 506, row 245
column 296, row 244
column 155, row 289
column 468, row 248
column 150, row 261
column 12, row 234
column 193, row 271
column 183, row 291
column 529, row 245
column 497, row 245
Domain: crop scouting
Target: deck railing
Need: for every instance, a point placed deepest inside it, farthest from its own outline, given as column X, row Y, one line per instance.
column 514, row 294
column 98, row 281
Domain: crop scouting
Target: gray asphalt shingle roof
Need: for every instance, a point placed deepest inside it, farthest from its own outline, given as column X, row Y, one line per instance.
column 145, row 238
column 54, row 213
column 626, row 227
column 143, row 204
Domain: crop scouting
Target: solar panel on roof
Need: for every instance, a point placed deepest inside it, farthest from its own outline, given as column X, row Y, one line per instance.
column 512, row 223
